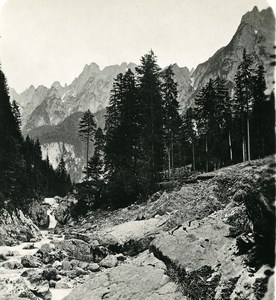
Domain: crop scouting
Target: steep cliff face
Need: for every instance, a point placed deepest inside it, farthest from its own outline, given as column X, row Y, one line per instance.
column 185, row 85
column 63, row 140
column 256, row 33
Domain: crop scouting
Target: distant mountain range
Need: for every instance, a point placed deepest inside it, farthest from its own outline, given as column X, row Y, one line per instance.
column 52, row 114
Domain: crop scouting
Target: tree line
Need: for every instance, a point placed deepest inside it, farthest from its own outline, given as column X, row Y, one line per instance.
column 222, row 129
column 145, row 136
column 24, row 176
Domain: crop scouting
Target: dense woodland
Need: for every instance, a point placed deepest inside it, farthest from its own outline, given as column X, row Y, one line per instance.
column 145, row 138
column 24, row 176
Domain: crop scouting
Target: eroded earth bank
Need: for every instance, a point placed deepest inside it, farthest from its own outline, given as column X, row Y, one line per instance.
column 209, row 238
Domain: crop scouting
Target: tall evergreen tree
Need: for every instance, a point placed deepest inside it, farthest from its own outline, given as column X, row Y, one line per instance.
column 205, row 116
column 151, row 120
column 189, row 135
column 87, row 129
column 95, row 164
column 243, row 102
column 172, row 120
column 122, row 143
column 258, row 113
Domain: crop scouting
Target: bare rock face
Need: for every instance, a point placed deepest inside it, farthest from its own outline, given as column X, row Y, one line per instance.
column 142, row 278
column 15, row 227
column 90, row 90
column 256, row 33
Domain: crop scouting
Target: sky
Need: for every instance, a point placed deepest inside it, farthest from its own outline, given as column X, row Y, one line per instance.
column 47, row 40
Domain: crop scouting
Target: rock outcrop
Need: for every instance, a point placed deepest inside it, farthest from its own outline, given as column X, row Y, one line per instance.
column 142, row 278
column 15, row 227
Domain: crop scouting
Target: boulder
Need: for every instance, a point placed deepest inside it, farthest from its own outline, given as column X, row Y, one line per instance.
column 3, row 257
column 109, row 261
column 57, row 265
column 133, row 281
column 64, row 283
column 80, row 271
column 15, row 288
column 29, row 247
column 12, row 264
column 77, row 249
column 52, row 283
column 94, row 267
column 66, row 265
column 37, row 283
column 30, row 261
column 50, row 273
column 47, row 248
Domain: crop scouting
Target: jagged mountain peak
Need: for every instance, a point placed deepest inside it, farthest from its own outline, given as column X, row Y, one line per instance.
column 57, row 85
column 91, row 68
column 257, row 18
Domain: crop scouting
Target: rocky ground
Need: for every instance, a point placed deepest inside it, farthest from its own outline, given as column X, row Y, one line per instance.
column 210, row 239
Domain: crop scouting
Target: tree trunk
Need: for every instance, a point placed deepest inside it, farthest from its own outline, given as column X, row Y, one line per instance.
column 87, row 150
column 206, row 149
column 230, row 146
column 193, row 150
column 243, row 141
column 169, row 163
column 172, row 160
column 248, row 138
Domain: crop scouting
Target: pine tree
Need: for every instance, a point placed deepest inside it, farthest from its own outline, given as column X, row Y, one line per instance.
column 258, row 113
column 95, row 164
column 87, row 129
column 243, row 101
column 205, row 117
column 151, row 121
column 223, row 122
column 189, row 133
column 122, row 144
column 113, row 153
column 172, row 120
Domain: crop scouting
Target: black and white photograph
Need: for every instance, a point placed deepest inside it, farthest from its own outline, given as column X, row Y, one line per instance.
column 137, row 149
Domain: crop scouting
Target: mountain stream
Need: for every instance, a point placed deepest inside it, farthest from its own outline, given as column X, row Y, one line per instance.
column 18, row 251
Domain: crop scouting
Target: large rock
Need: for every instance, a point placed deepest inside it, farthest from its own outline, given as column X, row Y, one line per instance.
column 204, row 255
column 143, row 278
column 15, row 288
column 12, row 264
column 37, row 283
column 109, row 261
column 75, row 248
column 16, row 227
column 30, row 261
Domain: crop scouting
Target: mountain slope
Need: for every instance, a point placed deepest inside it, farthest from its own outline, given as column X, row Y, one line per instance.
column 256, row 33
column 90, row 90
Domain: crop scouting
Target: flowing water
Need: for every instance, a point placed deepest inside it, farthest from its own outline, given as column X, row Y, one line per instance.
column 18, row 251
